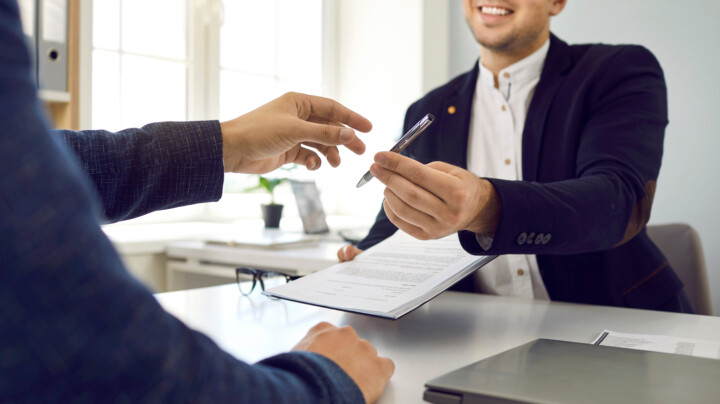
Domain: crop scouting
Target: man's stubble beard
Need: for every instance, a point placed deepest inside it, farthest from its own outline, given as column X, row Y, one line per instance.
column 516, row 41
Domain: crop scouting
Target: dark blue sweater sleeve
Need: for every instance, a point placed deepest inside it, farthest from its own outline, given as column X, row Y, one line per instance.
column 159, row 166
column 74, row 325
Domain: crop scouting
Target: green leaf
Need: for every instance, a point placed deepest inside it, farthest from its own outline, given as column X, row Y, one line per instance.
column 267, row 184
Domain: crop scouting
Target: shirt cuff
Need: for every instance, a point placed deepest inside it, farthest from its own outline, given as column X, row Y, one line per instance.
column 485, row 242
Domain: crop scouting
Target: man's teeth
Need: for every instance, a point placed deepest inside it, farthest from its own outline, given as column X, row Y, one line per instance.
column 495, row 11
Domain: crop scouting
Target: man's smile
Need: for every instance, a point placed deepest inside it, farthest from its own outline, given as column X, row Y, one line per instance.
column 493, row 10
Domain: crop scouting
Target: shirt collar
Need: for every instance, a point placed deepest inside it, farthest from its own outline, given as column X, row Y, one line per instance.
column 522, row 71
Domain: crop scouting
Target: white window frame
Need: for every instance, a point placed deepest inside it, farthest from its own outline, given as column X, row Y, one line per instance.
column 204, row 19
column 203, row 44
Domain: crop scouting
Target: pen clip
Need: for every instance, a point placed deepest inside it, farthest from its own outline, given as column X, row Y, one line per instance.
column 411, row 134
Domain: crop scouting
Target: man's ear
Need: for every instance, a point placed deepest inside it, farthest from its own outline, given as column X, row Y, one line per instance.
column 557, row 7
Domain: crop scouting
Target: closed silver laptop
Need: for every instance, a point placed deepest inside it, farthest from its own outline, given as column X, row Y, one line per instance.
column 549, row 371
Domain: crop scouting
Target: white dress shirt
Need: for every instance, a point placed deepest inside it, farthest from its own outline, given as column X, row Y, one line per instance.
column 495, row 151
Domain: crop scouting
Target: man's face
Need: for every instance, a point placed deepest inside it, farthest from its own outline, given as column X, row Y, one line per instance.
column 510, row 25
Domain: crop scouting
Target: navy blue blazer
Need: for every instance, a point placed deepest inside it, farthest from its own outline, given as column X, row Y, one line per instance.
column 592, row 147
column 75, row 326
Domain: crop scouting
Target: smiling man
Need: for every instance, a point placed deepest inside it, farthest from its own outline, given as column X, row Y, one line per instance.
column 544, row 153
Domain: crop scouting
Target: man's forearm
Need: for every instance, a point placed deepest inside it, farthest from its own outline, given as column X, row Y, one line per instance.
column 159, row 166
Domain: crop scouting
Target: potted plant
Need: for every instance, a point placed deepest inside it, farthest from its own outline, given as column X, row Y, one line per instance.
column 272, row 212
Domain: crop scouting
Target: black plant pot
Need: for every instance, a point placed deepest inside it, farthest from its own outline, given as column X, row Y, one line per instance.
column 271, row 215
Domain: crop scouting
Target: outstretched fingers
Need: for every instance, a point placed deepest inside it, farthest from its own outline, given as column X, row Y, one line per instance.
column 314, row 107
column 329, row 135
column 331, row 153
column 304, row 157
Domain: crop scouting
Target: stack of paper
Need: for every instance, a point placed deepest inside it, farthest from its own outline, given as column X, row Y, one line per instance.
column 388, row 280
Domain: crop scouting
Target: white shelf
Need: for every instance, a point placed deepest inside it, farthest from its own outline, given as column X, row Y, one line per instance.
column 54, row 96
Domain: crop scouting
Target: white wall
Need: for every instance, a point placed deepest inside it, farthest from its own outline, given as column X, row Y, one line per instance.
column 388, row 54
column 684, row 38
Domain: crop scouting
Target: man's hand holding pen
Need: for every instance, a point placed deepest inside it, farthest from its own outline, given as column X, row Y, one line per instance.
column 434, row 200
column 430, row 201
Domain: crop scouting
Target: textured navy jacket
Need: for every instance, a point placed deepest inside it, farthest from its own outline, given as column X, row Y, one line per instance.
column 592, row 147
column 74, row 325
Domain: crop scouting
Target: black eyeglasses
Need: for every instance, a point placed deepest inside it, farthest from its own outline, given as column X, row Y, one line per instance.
column 257, row 276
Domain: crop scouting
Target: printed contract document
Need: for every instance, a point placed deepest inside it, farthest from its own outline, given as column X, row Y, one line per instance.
column 388, row 280
column 660, row 343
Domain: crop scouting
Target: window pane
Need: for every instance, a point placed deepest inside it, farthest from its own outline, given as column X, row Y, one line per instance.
column 241, row 93
column 152, row 90
column 106, row 24
column 154, row 27
column 300, row 40
column 285, row 86
column 248, row 36
column 105, row 90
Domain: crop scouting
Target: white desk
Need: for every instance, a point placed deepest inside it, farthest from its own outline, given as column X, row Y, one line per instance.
column 218, row 261
column 173, row 256
column 451, row 331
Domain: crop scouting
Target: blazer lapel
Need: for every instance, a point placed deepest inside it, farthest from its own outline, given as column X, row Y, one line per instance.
column 558, row 61
column 456, row 113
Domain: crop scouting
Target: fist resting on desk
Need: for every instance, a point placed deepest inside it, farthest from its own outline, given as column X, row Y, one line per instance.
column 356, row 356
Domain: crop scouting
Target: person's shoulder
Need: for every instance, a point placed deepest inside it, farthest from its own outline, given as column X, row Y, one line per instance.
column 601, row 54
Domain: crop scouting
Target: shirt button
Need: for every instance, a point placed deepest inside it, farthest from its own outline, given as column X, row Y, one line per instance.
column 507, row 162
column 506, row 75
column 503, row 108
column 451, row 109
column 520, row 272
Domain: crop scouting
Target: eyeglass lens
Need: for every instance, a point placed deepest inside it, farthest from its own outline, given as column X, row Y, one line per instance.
column 246, row 280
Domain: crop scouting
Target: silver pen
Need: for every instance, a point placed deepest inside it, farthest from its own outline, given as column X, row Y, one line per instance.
column 403, row 143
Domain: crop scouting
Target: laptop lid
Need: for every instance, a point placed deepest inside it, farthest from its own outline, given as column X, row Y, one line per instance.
column 549, row 371
column 309, row 206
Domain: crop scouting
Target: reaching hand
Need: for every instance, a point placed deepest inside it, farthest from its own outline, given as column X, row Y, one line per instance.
column 357, row 357
column 434, row 200
column 348, row 253
column 281, row 132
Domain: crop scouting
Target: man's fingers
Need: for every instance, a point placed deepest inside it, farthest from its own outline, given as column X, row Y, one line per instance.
column 320, row 327
column 388, row 366
column 408, row 212
column 331, row 153
column 347, row 253
column 408, row 228
column 411, row 194
column 357, row 147
column 435, row 181
column 309, row 106
column 315, row 119
column 307, row 158
column 330, row 135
